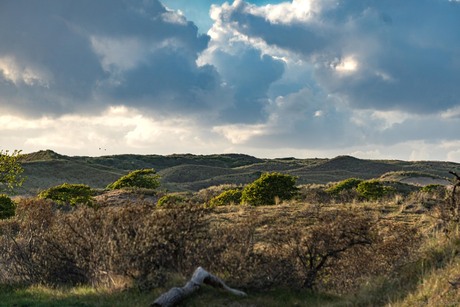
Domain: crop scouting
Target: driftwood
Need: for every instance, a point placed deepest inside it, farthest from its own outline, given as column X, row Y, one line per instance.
column 200, row 276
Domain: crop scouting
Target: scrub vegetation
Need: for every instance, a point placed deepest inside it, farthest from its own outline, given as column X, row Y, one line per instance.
column 351, row 242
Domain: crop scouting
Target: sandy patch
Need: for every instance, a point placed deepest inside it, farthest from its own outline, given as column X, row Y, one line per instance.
column 423, row 181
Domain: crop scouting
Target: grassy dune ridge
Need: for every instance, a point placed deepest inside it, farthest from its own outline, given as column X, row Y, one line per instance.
column 187, row 172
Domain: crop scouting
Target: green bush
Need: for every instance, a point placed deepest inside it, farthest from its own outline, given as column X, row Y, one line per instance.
column 229, row 197
column 372, row 189
column 344, row 185
column 433, row 188
column 170, row 200
column 7, row 207
column 10, row 170
column 268, row 188
column 69, row 194
column 143, row 178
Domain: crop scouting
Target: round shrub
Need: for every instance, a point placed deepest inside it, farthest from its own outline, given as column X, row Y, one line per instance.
column 372, row 189
column 229, row 197
column 206, row 194
column 69, row 194
column 268, row 188
column 433, row 188
column 170, row 200
column 7, row 207
column 344, row 185
column 143, row 178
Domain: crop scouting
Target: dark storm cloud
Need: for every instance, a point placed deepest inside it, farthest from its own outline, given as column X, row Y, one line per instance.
column 50, row 62
column 249, row 74
column 407, row 52
column 298, row 37
column 40, row 41
column 412, row 61
column 168, row 78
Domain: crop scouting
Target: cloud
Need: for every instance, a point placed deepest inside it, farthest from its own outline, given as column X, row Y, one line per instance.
column 310, row 77
column 116, row 130
column 297, row 121
column 282, row 25
column 399, row 62
column 249, row 75
column 59, row 57
column 354, row 73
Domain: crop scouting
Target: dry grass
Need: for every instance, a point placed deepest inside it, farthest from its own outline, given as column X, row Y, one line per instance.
column 130, row 244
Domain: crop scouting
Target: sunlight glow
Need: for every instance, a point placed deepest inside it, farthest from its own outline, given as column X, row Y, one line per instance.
column 348, row 64
column 7, row 69
column 240, row 133
column 285, row 12
column 174, row 17
column 16, row 73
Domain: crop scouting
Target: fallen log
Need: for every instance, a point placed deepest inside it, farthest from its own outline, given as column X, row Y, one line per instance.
column 200, row 276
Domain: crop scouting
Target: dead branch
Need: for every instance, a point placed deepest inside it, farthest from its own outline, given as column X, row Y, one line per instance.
column 200, row 276
column 456, row 175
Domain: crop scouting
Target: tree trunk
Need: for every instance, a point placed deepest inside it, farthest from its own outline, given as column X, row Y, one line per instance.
column 200, row 276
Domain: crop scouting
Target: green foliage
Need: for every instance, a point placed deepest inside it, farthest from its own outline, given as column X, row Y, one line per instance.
column 229, row 197
column 269, row 187
column 7, row 207
column 69, row 194
column 143, row 178
column 372, row 189
column 171, row 200
column 10, row 170
column 433, row 188
column 344, row 185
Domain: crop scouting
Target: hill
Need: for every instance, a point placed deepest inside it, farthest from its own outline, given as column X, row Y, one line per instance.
column 187, row 172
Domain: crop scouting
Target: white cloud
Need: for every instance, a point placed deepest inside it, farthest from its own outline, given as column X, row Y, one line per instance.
column 13, row 71
column 174, row 17
column 421, row 153
column 450, row 113
column 284, row 13
column 11, row 123
column 454, row 155
column 116, row 130
column 119, row 53
column 380, row 120
column 346, row 65
column 240, row 133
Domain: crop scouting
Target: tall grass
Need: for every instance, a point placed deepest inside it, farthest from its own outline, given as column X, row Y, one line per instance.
column 45, row 296
column 126, row 255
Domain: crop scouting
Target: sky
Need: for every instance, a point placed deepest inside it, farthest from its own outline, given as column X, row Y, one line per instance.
column 303, row 78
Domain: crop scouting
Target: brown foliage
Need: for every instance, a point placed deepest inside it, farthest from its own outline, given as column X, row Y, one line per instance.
column 45, row 245
column 310, row 246
column 322, row 246
column 394, row 245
